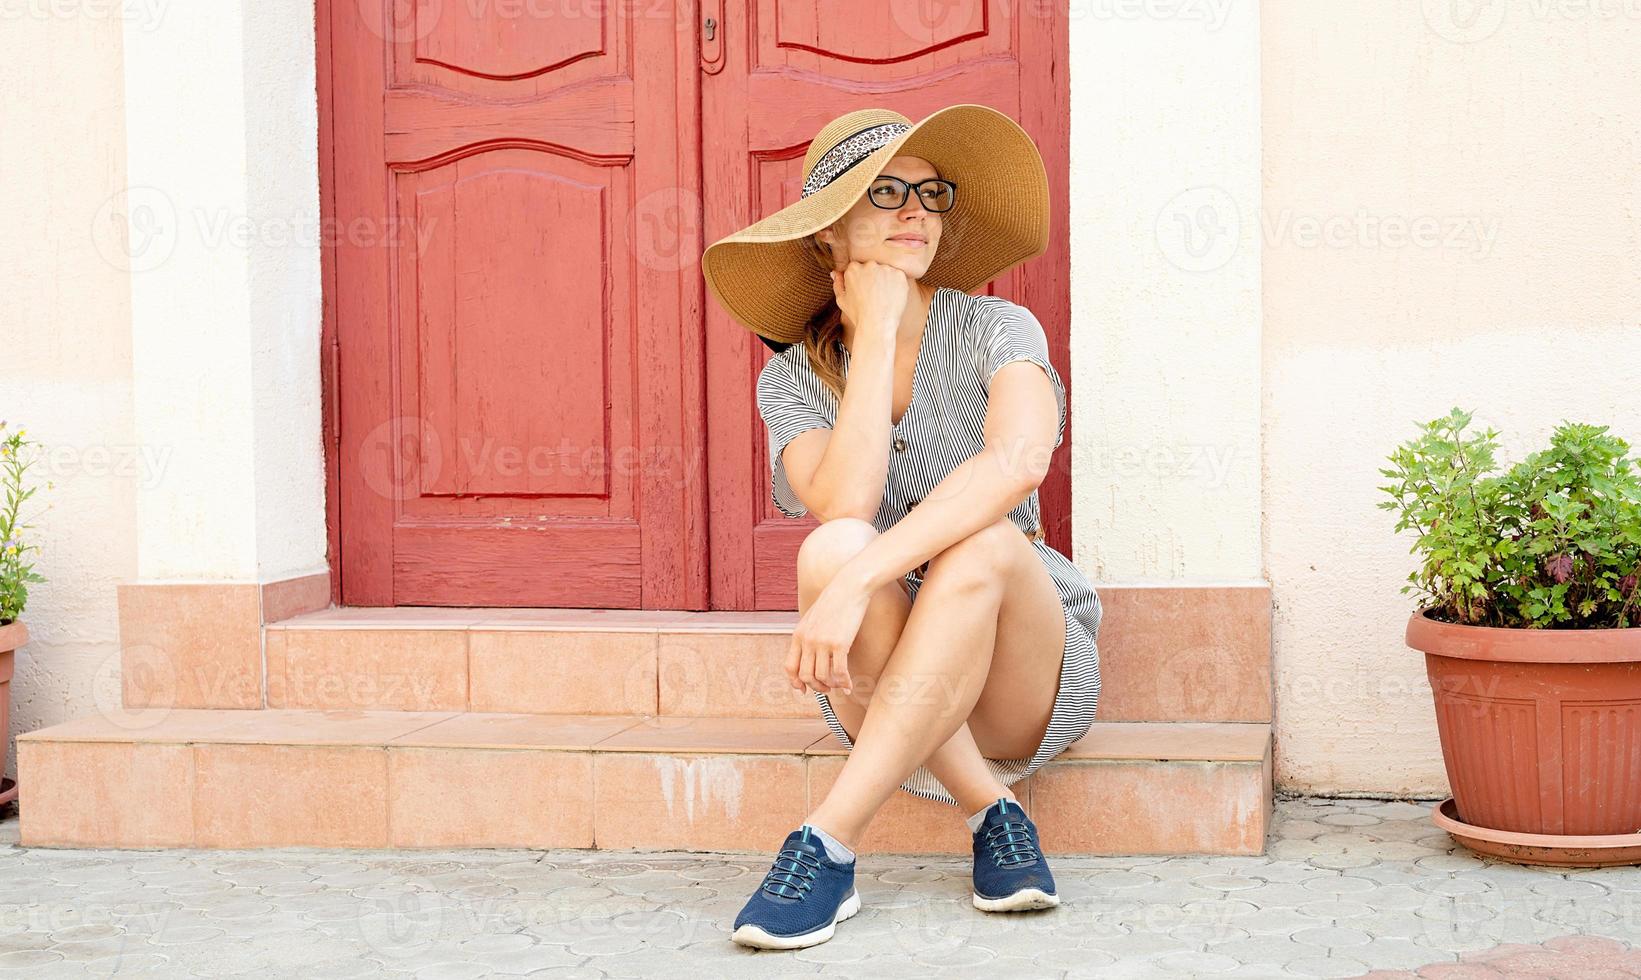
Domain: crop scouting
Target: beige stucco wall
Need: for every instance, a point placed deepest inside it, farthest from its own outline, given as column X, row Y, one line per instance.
column 1298, row 229
column 222, row 149
column 159, row 328
column 1165, row 291
column 1477, row 187
column 65, row 341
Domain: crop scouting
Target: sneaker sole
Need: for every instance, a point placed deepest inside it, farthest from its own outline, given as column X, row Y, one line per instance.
column 1025, row 898
column 752, row 935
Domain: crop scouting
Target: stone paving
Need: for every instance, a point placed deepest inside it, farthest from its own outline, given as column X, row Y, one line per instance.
column 1347, row 888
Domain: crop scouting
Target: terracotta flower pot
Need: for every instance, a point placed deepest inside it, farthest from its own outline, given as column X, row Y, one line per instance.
column 12, row 635
column 1540, row 729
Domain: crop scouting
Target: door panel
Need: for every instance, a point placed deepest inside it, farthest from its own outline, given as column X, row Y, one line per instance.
column 519, row 407
column 789, row 68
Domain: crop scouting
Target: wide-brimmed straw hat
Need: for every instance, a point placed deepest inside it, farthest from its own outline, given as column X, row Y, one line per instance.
column 770, row 283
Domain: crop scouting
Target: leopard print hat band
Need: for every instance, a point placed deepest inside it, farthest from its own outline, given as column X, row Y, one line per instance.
column 849, row 152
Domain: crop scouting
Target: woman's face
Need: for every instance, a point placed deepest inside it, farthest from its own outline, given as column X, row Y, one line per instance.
column 905, row 237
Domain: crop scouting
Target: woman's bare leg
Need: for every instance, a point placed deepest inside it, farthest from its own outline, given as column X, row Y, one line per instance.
column 958, row 763
column 930, row 699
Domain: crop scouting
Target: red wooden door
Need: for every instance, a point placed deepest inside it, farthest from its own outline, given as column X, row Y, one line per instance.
column 777, row 72
column 515, row 303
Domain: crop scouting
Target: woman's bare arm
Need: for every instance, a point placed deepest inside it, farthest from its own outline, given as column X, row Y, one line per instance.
column 1022, row 421
column 841, row 472
column 846, row 470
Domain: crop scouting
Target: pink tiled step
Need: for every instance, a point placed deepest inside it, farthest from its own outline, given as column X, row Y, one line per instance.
column 228, row 778
column 1166, row 654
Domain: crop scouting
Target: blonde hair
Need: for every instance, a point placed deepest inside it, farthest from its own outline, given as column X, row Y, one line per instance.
column 823, row 334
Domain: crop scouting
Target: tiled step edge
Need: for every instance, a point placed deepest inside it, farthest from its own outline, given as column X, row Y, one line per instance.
column 1166, row 654
column 371, row 779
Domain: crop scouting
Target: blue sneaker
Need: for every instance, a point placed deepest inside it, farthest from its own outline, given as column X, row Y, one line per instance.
column 801, row 900
column 1010, row 872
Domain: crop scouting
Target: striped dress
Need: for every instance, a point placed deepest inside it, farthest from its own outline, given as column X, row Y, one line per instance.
column 966, row 339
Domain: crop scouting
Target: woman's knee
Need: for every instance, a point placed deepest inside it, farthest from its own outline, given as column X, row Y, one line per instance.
column 828, row 547
column 981, row 560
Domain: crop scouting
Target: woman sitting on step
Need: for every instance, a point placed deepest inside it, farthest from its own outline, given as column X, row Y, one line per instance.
column 949, row 647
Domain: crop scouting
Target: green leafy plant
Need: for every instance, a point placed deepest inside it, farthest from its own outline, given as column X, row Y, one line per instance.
column 16, row 571
column 1553, row 542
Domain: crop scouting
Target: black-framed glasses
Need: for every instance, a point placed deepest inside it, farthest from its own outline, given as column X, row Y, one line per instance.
column 890, row 193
